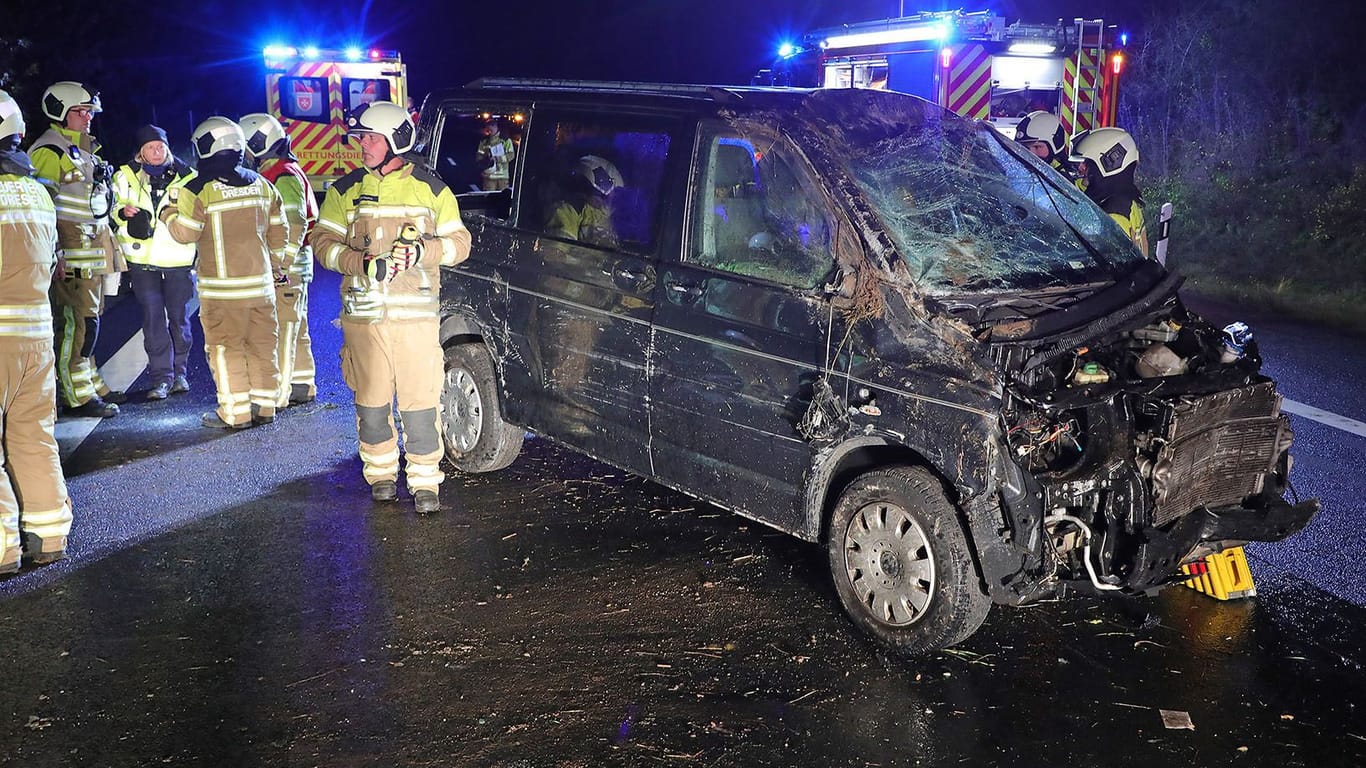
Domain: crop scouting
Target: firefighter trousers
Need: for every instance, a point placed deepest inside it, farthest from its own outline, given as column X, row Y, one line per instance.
column 32, row 490
column 77, row 303
column 240, row 338
column 295, row 352
column 403, row 360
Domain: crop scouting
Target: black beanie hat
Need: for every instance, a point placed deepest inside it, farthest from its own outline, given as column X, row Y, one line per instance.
column 150, row 133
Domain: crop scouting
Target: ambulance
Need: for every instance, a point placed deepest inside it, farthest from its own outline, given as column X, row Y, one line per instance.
column 311, row 91
column 974, row 64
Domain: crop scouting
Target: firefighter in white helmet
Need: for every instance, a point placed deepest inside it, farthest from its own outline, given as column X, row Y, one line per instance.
column 33, row 496
column 494, row 157
column 388, row 228
column 236, row 218
column 585, row 211
column 66, row 156
column 269, row 147
column 1041, row 133
column 1106, row 160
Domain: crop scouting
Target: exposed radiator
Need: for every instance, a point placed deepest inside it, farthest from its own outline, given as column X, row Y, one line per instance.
column 1218, row 450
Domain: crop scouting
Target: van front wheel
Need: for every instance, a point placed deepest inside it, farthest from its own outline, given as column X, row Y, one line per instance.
column 901, row 563
column 477, row 438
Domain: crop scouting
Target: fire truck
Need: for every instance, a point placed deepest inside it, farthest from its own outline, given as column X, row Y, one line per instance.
column 971, row 63
column 311, row 91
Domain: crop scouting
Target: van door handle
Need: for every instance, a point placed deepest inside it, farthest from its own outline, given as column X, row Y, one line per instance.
column 685, row 290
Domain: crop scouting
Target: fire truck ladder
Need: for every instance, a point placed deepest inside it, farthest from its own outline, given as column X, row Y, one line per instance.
column 1087, row 63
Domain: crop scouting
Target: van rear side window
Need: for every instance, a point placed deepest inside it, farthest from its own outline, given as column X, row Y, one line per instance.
column 596, row 180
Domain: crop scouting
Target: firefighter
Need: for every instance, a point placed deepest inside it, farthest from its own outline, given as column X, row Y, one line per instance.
column 237, row 220
column 1041, row 133
column 1106, row 160
column 585, row 214
column 160, row 268
column 66, row 156
column 269, row 147
column 32, row 490
column 388, row 228
column 494, row 158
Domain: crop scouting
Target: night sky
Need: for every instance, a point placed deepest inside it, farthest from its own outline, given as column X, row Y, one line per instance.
column 177, row 63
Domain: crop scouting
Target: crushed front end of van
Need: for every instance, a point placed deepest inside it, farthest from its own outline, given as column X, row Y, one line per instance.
column 1089, row 430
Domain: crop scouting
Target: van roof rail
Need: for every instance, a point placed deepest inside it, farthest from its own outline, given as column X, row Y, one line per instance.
column 712, row 92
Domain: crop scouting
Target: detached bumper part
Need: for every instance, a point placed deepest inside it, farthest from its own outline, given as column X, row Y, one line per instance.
column 1159, row 559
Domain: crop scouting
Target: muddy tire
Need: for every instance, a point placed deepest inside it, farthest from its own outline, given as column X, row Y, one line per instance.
column 477, row 439
column 901, row 563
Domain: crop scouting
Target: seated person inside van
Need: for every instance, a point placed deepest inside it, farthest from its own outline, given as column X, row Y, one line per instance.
column 585, row 212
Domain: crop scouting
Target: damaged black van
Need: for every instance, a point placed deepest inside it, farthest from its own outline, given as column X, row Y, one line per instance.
column 855, row 317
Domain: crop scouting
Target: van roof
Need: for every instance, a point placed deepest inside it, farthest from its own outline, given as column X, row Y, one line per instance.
column 677, row 94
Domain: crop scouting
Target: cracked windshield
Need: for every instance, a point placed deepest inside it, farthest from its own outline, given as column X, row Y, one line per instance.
column 967, row 209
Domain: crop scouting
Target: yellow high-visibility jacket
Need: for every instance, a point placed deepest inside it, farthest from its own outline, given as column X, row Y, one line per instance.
column 132, row 186
column 68, row 159
column 361, row 216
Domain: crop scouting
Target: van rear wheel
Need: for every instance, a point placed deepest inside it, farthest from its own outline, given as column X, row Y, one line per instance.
column 901, row 563
column 477, row 438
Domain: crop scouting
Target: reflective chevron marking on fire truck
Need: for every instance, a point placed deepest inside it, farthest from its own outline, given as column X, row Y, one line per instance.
column 969, row 82
column 312, row 142
column 1078, row 105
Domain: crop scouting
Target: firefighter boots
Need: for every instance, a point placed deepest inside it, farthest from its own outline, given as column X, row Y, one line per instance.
column 384, row 490
column 94, row 408
column 299, row 394
column 42, row 551
column 426, row 502
column 211, row 419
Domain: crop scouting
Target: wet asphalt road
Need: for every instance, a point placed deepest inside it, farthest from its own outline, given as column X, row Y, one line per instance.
column 236, row 599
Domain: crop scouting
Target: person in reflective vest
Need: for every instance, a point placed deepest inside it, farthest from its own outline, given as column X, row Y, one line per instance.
column 237, row 220
column 1106, row 160
column 67, row 157
column 494, row 157
column 269, row 147
column 160, row 268
column 35, row 511
column 388, row 228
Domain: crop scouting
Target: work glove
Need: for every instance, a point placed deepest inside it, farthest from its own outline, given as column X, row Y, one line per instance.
column 379, row 268
column 139, row 225
column 406, row 252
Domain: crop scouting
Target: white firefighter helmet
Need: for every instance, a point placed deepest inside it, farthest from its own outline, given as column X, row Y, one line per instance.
column 1041, row 126
column 388, row 120
column 215, row 135
column 1110, row 150
column 599, row 172
column 263, row 133
column 62, row 97
column 11, row 119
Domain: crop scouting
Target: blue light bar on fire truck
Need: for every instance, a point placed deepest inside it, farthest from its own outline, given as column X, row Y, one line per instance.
column 279, row 56
column 912, row 34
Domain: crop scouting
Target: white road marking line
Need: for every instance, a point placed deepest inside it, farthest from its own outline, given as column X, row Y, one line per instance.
column 119, row 373
column 1324, row 417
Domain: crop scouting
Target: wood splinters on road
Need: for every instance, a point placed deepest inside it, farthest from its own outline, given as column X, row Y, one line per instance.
column 803, row 696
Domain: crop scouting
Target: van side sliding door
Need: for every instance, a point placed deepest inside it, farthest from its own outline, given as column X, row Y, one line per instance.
column 581, row 278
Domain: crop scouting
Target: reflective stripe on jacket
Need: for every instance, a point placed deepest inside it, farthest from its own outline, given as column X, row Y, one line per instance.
column 132, row 186
column 241, row 234
column 68, row 160
column 28, row 248
column 360, row 218
column 301, row 211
